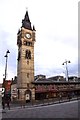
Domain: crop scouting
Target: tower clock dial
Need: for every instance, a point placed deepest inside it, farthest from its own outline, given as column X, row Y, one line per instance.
column 28, row 35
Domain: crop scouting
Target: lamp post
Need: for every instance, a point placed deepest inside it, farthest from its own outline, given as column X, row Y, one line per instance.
column 66, row 62
column 6, row 62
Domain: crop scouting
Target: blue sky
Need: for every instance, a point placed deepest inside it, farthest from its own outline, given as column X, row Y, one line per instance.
column 56, row 23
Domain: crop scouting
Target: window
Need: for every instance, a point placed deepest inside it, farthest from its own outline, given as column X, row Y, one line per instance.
column 27, row 43
column 27, row 75
column 19, row 56
column 28, row 54
column 27, row 62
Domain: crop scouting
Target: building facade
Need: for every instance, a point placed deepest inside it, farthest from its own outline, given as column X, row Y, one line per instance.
column 51, row 88
column 14, row 90
column 25, row 65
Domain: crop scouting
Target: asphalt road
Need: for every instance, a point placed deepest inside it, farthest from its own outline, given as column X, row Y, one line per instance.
column 62, row 110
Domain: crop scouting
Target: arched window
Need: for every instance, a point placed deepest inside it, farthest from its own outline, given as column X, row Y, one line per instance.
column 28, row 54
column 27, row 75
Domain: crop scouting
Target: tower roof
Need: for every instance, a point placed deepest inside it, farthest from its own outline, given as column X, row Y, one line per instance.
column 27, row 17
column 26, row 22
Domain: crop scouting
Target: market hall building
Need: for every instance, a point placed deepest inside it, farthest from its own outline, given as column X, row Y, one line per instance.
column 56, row 86
column 50, row 88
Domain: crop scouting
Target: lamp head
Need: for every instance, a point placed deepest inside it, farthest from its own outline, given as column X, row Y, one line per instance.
column 5, row 56
column 63, row 64
column 8, row 51
column 69, row 61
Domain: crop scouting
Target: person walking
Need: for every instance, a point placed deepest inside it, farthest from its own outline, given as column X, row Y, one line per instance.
column 60, row 97
column 3, row 102
column 8, row 101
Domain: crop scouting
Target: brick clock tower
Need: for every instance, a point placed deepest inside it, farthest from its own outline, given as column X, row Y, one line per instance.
column 25, row 67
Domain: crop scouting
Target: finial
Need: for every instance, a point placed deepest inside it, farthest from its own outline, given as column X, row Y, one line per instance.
column 26, row 8
column 34, row 28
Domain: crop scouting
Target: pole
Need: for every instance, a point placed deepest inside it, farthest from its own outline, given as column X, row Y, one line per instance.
column 66, row 69
column 6, row 63
column 6, row 67
column 66, row 72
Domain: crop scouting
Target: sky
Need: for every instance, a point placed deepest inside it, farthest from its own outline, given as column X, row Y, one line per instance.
column 56, row 24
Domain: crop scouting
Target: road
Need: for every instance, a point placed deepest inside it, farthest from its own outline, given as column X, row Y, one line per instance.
column 62, row 110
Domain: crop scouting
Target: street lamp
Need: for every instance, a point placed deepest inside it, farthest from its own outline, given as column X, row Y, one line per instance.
column 6, row 62
column 66, row 68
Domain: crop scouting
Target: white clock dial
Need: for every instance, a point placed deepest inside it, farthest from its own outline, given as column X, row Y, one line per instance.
column 28, row 35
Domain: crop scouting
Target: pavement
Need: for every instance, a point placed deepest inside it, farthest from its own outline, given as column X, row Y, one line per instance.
column 38, row 103
column 59, row 110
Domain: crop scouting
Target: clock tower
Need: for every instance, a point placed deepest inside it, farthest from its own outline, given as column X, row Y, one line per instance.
column 25, row 64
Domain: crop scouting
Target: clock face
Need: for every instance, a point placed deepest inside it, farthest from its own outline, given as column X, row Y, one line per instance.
column 28, row 35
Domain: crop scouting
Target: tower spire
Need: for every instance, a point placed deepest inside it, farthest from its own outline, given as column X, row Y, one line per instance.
column 26, row 21
column 27, row 17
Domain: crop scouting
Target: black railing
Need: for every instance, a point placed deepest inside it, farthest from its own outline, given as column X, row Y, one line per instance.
column 48, row 101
